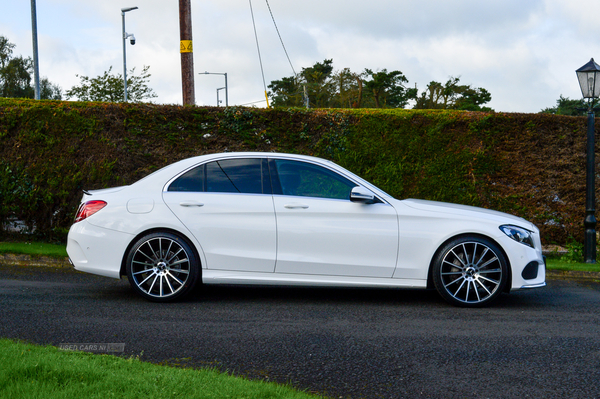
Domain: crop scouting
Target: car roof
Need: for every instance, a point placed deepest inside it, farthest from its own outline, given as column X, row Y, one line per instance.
column 206, row 157
column 175, row 168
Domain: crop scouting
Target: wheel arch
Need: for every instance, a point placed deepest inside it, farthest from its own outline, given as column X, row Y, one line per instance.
column 122, row 271
column 437, row 251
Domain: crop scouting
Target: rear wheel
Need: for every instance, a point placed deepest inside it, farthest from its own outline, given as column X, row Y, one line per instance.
column 162, row 267
column 470, row 272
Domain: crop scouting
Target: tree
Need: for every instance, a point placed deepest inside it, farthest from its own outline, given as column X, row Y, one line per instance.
column 453, row 95
column 318, row 86
column 109, row 88
column 15, row 76
column 286, row 92
column 347, row 89
column 312, row 82
column 439, row 96
column 324, row 88
column 388, row 88
column 6, row 50
column 472, row 99
column 566, row 106
column 49, row 90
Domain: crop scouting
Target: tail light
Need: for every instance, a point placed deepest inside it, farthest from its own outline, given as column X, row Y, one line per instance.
column 88, row 208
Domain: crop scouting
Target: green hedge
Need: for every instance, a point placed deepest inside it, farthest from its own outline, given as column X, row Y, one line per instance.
column 531, row 165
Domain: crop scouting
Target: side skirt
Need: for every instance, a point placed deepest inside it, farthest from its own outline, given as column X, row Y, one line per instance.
column 249, row 278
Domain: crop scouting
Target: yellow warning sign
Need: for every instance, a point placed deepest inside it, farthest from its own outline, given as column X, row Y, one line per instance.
column 185, row 46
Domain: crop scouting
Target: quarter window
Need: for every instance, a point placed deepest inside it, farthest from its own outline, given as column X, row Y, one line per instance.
column 192, row 180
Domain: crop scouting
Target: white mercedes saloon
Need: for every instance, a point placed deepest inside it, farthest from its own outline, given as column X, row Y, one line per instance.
column 282, row 219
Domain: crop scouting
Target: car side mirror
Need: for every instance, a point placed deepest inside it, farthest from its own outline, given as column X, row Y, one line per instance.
column 361, row 194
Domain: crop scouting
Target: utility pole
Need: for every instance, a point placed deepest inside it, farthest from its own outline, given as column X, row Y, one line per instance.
column 186, row 49
column 36, row 67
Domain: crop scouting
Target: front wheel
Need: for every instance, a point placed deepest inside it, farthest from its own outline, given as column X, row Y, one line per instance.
column 162, row 267
column 470, row 272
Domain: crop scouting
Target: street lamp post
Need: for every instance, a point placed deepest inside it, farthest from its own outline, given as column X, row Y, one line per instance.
column 219, row 101
column 589, row 82
column 125, row 37
column 226, row 89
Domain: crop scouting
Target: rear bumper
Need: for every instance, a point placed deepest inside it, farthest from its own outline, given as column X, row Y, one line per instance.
column 97, row 250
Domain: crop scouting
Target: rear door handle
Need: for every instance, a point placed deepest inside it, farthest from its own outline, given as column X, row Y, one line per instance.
column 191, row 203
column 295, row 206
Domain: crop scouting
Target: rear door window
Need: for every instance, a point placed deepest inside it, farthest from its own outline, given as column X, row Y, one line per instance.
column 244, row 175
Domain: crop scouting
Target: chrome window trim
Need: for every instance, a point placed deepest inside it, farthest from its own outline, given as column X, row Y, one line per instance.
column 381, row 195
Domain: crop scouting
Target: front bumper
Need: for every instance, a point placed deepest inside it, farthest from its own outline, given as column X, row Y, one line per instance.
column 532, row 271
column 528, row 266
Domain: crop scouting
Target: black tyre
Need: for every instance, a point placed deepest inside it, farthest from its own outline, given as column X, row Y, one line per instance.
column 162, row 267
column 470, row 272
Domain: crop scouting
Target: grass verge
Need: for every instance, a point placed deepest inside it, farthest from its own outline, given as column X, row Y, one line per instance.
column 30, row 371
column 34, row 249
column 569, row 265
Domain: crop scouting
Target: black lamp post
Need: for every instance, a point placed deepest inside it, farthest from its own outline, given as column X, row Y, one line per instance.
column 589, row 81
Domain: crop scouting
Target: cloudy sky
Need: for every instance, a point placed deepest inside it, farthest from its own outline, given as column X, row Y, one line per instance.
column 524, row 52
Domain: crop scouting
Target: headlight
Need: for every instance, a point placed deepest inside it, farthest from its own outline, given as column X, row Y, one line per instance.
column 518, row 234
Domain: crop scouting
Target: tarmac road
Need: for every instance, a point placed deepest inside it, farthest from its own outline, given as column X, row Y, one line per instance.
column 350, row 343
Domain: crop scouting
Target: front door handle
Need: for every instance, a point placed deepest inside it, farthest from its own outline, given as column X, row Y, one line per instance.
column 295, row 206
column 191, row 203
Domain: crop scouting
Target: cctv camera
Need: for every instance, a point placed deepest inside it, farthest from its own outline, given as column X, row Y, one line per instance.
column 132, row 40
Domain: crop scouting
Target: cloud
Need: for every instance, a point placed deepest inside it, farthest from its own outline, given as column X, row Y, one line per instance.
column 524, row 52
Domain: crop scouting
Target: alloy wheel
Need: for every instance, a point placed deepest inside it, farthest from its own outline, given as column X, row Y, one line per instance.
column 471, row 273
column 160, row 267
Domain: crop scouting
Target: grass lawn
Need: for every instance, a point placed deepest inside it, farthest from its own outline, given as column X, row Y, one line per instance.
column 34, row 249
column 30, row 371
column 561, row 264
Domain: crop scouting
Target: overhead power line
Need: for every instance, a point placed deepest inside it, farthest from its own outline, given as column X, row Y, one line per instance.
column 259, row 57
column 253, row 102
column 258, row 47
column 280, row 39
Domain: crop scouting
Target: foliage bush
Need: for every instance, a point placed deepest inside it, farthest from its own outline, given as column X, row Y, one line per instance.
column 531, row 165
